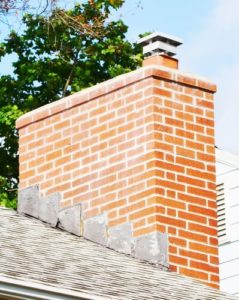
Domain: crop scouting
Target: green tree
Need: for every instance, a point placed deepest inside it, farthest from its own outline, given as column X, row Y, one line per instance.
column 57, row 56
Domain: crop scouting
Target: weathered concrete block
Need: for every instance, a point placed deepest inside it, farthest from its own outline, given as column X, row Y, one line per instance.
column 120, row 238
column 94, row 229
column 48, row 209
column 70, row 219
column 28, row 200
column 152, row 248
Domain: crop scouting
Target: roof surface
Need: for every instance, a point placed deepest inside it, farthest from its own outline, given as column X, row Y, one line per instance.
column 33, row 252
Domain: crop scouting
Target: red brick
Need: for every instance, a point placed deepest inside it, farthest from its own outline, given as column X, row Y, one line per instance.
column 184, row 98
column 193, row 255
column 174, row 122
column 178, row 260
column 184, row 133
column 192, row 217
column 203, row 229
column 202, row 210
column 193, row 236
column 204, row 266
column 177, row 241
column 193, row 273
column 171, row 221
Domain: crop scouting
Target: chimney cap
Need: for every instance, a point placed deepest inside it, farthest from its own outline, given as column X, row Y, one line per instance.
column 160, row 43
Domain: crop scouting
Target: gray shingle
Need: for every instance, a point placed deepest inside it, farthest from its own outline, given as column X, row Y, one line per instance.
column 32, row 251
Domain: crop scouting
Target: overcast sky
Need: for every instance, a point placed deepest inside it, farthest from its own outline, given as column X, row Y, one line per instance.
column 210, row 31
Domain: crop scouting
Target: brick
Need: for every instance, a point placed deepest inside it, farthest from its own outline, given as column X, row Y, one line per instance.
column 61, row 125
column 71, row 166
column 191, row 181
column 202, row 210
column 192, row 217
column 171, row 221
column 203, row 266
column 174, row 122
column 193, row 91
column 177, row 241
column 102, row 200
column 173, row 104
column 27, row 138
column 103, row 181
column 167, row 202
column 193, row 236
column 113, row 205
column 44, row 132
column 147, row 230
column 62, row 143
column 190, row 163
column 206, row 157
column 27, row 174
column 74, row 192
column 191, row 199
column 201, row 192
column 184, row 134
column 178, row 260
column 186, row 80
column 53, row 155
column 185, row 152
column 36, row 162
column 170, row 185
column 193, row 109
column 53, row 138
column 214, row 260
column 117, row 222
column 203, row 229
column 201, row 174
column 173, row 140
column 213, row 240
column 206, row 86
column 58, row 188
column 142, row 213
column 114, row 187
column 194, row 255
column 195, row 127
column 205, row 139
column 162, row 92
column 184, row 116
column 205, row 104
column 194, row 273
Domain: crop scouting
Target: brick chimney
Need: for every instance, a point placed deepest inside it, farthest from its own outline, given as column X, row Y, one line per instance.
column 130, row 164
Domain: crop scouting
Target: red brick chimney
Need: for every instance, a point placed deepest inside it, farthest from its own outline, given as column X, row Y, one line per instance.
column 130, row 164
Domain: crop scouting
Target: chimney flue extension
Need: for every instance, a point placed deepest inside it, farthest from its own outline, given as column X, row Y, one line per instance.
column 160, row 43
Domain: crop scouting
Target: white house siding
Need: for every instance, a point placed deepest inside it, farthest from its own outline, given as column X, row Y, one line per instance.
column 228, row 173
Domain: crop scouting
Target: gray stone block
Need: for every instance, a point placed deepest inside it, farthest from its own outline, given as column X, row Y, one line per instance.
column 70, row 219
column 45, row 209
column 153, row 248
column 94, row 229
column 120, row 238
column 28, row 200
column 48, row 209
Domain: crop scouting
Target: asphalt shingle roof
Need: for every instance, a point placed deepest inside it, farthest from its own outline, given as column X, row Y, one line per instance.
column 31, row 251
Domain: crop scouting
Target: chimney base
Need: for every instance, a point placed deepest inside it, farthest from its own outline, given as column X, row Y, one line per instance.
column 161, row 60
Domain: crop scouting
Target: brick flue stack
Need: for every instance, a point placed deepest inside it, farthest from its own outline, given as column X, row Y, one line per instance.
column 129, row 164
